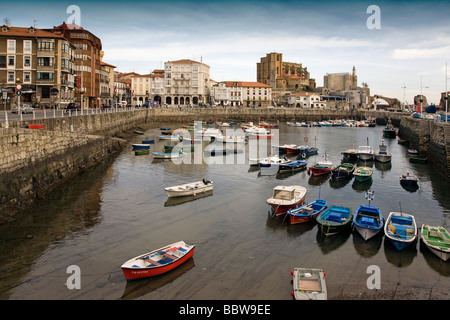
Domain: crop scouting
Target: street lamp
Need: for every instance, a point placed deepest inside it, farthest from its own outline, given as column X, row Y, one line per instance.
column 404, row 98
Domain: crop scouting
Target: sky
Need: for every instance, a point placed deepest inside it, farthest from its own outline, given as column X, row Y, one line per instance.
column 400, row 49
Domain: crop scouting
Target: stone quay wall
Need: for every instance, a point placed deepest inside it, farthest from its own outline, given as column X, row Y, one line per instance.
column 431, row 139
column 33, row 162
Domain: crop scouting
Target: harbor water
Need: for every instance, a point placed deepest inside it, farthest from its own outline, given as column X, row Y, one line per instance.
column 119, row 210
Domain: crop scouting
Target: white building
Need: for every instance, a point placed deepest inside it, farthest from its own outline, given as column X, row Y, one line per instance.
column 248, row 94
column 186, row 82
column 220, row 94
column 306, row 100
column 157, row 86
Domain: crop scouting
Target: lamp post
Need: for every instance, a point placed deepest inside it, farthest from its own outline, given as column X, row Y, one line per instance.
column 404, row 98
column 18, row 93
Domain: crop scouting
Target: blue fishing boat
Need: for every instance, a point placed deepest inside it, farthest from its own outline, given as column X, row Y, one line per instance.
column 368, row 221
column 149, row 141
column 335, row 219
column 290, row 166
column 307, row 212
column 140, row 146
column 400, row 229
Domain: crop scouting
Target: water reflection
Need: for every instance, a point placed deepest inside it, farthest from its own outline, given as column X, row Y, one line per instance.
column 329, row 244
column 138, row 288
column 174, row 201
column 368, row 248
column 401, row 258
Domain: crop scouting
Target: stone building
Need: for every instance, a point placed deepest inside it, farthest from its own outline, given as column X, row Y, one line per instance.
column 340, row 81
column 42, row 62
column 280, row 75
column 186, row 82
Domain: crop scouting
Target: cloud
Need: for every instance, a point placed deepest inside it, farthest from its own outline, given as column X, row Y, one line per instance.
column 421, row 53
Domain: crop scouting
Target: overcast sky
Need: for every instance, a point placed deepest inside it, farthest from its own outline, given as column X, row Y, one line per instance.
column 412, row 43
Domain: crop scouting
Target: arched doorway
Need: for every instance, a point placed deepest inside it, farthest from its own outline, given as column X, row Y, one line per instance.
column 140, row 101
column 195, row 100
column 169, row 100
column 157, row 99
column 175, row 100
column 182, row 100
column 188, row 100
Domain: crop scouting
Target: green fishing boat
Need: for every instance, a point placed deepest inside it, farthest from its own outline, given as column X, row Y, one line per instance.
column 437, row 239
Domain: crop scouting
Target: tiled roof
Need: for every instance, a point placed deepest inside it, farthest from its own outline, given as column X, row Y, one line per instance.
column 28, row 32
column 246, row 84
column 186, row 61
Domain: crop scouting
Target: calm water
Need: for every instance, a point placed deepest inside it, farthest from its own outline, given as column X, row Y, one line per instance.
column 119, row 210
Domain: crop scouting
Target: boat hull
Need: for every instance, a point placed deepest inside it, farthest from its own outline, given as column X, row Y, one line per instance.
column 368, row 221
column 189, row 189
column 435, row 243
column 401, row 234
column 308, row 212
column 334, row 220
column 309, row 284
column 140, row 273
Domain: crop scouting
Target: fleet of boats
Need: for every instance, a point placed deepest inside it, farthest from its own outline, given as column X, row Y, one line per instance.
column 290, row 201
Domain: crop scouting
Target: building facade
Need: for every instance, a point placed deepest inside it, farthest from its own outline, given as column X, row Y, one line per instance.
column 280, row 75
column 88, row 55
column 340, row 81
column 306, row 100
column 42, row 62
column 157, row 86
column 186, row 82
column 140, row 89
column 245, row 94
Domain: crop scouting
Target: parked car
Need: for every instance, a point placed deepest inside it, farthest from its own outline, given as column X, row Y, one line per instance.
column 24, row 108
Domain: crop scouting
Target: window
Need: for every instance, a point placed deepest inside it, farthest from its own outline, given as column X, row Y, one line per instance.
column 45, row 76
column 45, row 61
column 2, row 61
column 26, row 46
column 11, row 60
column 11, row 76
column 27, row 61
column 11, row 46
column 45, row 46
column 27, row 77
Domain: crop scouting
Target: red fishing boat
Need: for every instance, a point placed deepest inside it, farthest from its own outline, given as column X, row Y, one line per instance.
column 158, row 261
column 286, row 197
column 322, row 167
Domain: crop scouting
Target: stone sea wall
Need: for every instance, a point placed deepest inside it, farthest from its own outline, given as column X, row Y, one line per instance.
column 33, row 162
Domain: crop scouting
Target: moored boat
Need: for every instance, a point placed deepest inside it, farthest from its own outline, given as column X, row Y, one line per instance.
column 334, row 219
column 365, row 153
column 308, row 284
column 291, row 166
column 389, row 131
column 285, row 198
column 363, row 174
column 189, row 189
column 368, row 221
column 342, row 171
column 141, row 152
column 158, row 261
column 409, row 179
column 351, row 154
column 307, row 212
column 140, row 146
column 148, row 141
column 401, row 229
column 166, row 155
column 382, row 155
column 322, row 167
column 437, row 239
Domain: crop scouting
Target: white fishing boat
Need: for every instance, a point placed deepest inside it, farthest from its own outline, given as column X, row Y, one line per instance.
column 382, row 155
column 189, row 189
column 401, row 229
column 309, row 284
column 365, row 153
column 285, row 198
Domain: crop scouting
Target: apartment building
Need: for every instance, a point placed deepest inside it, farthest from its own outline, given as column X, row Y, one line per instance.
column 157, row 86
column 88, row 55
column 140, row 89
column 248, row 94
column 186, row 82
column 107, row 93
column 42, row 62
